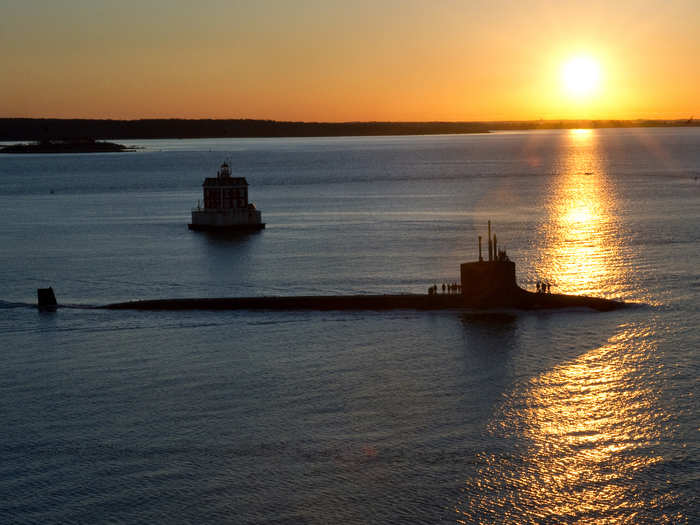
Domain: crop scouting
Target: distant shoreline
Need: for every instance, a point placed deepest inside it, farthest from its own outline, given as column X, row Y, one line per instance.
column 30, row 129
column 65, row 146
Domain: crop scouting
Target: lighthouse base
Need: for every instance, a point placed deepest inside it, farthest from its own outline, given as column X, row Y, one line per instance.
column 227, row 228
column 226, row 220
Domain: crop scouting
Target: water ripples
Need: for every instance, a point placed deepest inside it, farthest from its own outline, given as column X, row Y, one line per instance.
column 585, row 438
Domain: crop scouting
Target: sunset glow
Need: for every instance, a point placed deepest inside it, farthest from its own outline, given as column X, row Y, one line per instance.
column 349, row 61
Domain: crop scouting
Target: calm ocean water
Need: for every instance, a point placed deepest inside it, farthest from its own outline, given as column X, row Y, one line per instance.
column 354, row 417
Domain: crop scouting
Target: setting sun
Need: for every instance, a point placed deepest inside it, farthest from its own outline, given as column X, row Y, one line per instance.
column 581, row 76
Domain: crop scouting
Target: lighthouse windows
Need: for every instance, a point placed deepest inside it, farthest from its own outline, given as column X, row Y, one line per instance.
column 225, row 197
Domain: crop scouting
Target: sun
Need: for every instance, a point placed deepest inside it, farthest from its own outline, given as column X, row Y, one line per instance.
column 581, row 76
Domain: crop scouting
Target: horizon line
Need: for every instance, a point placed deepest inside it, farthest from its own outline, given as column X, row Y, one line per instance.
column 253, row 119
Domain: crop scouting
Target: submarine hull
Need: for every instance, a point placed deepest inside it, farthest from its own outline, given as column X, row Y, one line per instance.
column 522, row 300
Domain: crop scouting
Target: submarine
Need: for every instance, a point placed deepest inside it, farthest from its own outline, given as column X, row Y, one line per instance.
column 484, row 284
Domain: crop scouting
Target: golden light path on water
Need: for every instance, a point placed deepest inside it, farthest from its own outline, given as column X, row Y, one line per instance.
column 587, row 429
column 578, row 244
column 583, row 430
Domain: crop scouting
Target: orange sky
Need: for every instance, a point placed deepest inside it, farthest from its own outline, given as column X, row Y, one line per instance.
column 329, row 60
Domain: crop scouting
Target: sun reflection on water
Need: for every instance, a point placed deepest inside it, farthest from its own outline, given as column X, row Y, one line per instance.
column 578, row 442
column 587, row 430
column 578, row 243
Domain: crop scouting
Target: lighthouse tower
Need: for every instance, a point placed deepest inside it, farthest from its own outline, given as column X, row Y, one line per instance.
column 226, row 206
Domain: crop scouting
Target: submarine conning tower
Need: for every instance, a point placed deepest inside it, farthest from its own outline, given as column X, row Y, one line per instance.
column 490, row 278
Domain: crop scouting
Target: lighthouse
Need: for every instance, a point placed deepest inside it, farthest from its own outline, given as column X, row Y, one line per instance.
column 226, row 206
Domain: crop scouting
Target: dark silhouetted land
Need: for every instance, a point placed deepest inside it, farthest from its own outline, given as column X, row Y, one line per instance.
column 66, row 129
column 71, row 129
column 65, row 146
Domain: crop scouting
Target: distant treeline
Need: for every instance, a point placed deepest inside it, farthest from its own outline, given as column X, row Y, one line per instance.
column 65, row 129
column 69, row 129
column 588, row 124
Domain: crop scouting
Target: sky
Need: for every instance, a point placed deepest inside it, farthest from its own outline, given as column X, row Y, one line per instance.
column 350, row 60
